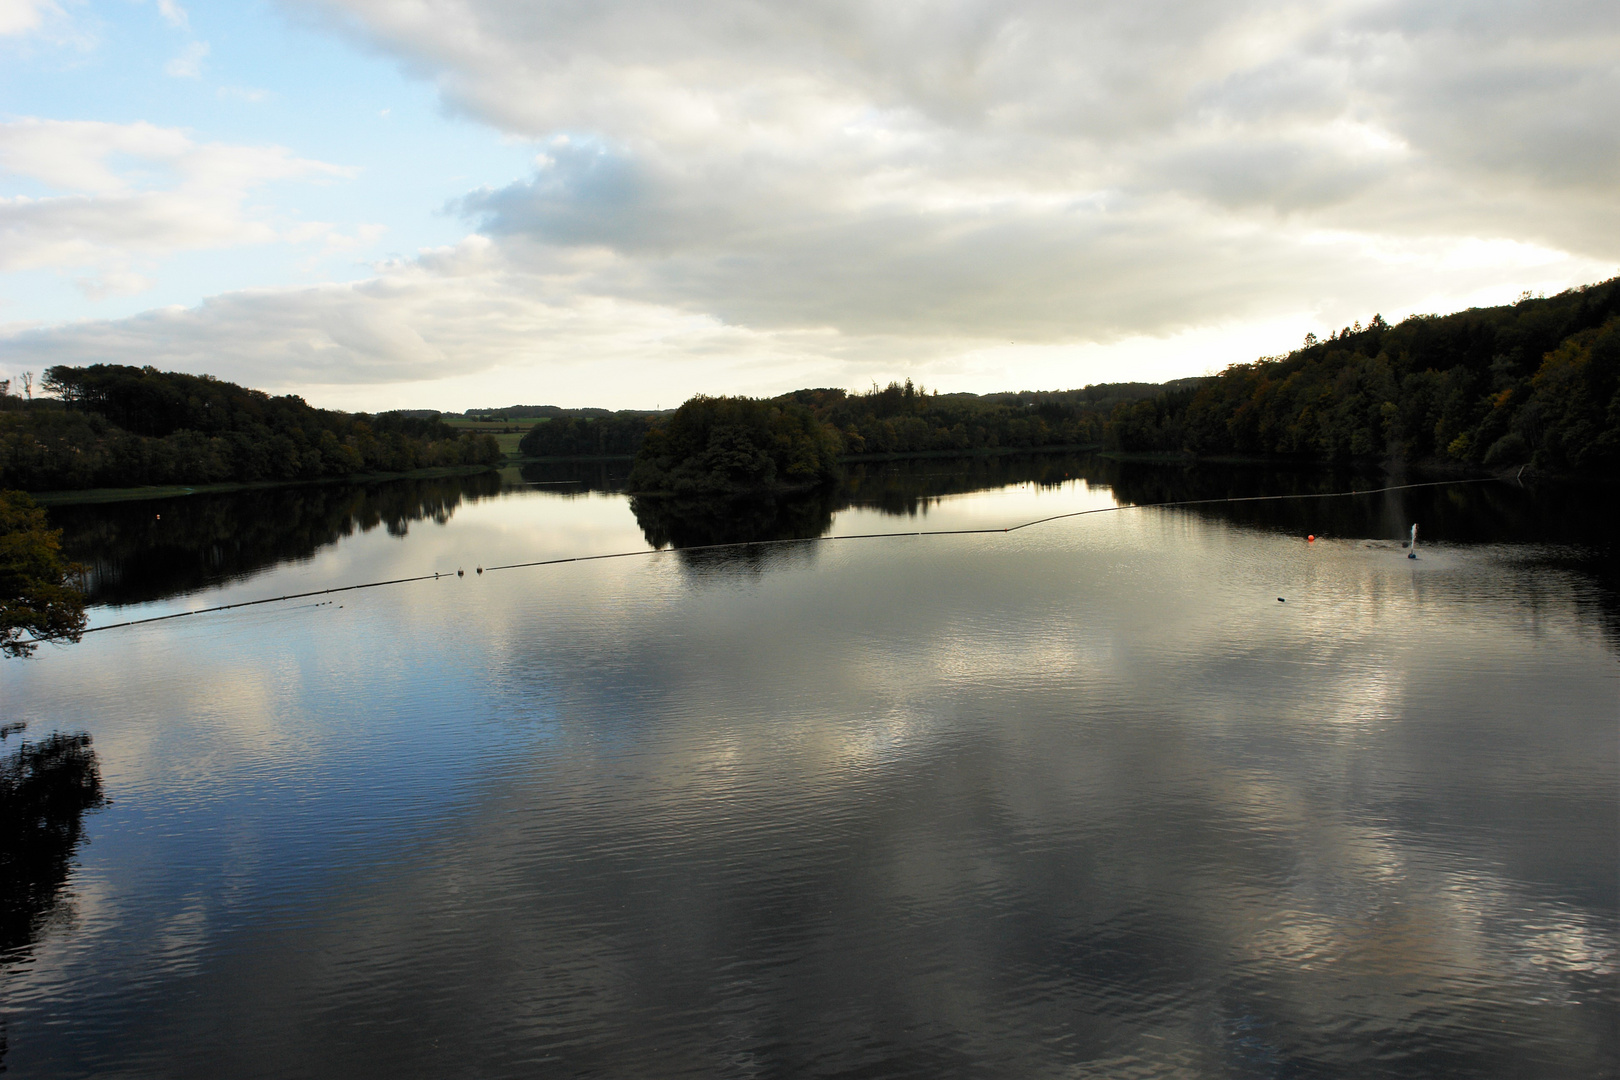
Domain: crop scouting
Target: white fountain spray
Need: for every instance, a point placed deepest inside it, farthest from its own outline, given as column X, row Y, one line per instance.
column 1412, row 543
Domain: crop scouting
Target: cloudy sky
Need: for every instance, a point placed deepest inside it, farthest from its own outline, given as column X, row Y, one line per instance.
column 457, row 203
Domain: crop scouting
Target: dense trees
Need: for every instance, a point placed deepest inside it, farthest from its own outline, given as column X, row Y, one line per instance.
column 898, row 419
column 607, row 435
column 735, row 444
column 118, row 426
column 904, row 419
column 37, row 596
column 1533, row 382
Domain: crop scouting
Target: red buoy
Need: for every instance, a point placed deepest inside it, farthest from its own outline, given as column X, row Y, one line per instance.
column 1311, row 539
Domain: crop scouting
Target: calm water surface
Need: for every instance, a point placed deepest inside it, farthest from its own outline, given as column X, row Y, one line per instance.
column 1081, row 800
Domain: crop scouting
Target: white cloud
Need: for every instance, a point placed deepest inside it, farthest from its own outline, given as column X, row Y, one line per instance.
column 188, row 65
column 128, row 188
column 174, row 14
column 23, row 16
column 472, row 323
column 251, row 95
column 1038, row 168
column 967, row 190
column 113, row 283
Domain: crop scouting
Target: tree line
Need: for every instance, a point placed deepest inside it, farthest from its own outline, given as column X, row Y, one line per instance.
column 1534, row 382
column 112, row 425
column 898, row 419
column 579, row 435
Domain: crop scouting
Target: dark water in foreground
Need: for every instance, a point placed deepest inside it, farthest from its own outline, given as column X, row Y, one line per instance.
column 1080, row 800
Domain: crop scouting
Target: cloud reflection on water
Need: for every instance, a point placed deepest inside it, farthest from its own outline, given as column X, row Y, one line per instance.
column 1084, row 799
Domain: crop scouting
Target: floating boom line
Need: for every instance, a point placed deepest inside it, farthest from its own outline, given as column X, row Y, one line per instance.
column 761, row 543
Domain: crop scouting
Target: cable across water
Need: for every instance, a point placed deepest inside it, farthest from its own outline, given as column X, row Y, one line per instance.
column 765, row 543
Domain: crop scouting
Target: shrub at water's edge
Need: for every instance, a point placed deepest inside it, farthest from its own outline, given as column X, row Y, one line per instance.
column 119, row 426
column 36, row 597
column 736, row 445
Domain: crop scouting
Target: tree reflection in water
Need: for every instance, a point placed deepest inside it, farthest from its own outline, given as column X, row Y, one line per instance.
column 45, row 789
column 137, row 552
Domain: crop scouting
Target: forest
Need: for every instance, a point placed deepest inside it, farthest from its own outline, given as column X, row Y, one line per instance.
column 736, row 445
column 900, row 419
column 579, row 435
column 1534, row 383
column 1531, row 383
column 111, row 425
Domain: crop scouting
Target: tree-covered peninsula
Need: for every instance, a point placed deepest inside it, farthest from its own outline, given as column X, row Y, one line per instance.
column 111, row 425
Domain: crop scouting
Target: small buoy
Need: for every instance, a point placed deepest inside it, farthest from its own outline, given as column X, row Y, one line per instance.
column 461, row 573
column 1311, row 539
column 480, row 569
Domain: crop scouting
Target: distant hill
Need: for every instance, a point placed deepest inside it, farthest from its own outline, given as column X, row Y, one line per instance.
column 528, row 412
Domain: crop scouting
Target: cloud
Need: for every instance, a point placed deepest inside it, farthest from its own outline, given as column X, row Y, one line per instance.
column 250, row 94
column 188, row 65
column 133, row 188
column 174, row 14
column 480, row 321
column 450, row 313
column 113, row 283
column 836, row 192
column 1043, row 168
column 23, row 16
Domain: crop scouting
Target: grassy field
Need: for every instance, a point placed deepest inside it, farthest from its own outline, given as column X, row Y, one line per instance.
column 508, row 433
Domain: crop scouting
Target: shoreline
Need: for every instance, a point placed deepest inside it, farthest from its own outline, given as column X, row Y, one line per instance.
column 1426, row 468
column 171, row 491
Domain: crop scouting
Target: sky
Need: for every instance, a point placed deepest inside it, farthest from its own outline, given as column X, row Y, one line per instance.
column 470, row 203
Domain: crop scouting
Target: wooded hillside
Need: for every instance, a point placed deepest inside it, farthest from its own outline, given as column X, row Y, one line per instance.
column 1533, row 382
column 118, row 426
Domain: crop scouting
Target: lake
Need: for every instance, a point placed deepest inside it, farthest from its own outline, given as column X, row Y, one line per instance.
column 1161, row 792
